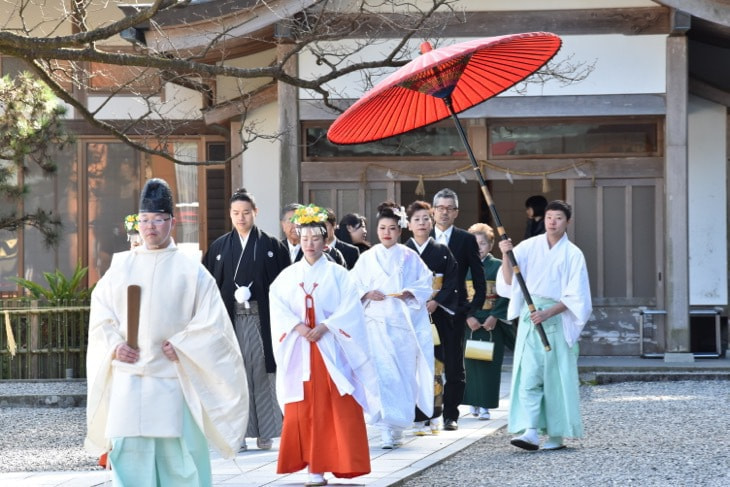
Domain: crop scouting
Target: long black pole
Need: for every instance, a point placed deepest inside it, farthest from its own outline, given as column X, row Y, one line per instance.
column 498, row 223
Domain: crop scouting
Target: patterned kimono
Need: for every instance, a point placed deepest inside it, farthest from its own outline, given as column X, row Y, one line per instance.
column 483, row 378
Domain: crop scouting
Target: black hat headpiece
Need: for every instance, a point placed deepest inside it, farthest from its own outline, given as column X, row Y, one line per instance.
column 156, row 197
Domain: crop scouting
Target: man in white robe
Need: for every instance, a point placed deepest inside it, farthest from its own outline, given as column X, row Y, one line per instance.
column 154, row 406
column 545, row 386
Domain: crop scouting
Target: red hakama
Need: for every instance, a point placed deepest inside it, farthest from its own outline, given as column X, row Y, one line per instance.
column 325, row 431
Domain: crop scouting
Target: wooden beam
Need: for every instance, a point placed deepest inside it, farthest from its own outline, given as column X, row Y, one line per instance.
column 247, row 33
column 709, row 92
column 232, row 109
column 716, row 11
column 532, row 106
column 628, row 21
column 445, row 170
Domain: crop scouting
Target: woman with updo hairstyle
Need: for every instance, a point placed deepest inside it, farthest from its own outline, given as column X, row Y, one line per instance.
column 394, row 285
column 352, row 229
column 441, row 304
column 325, row 380
column 490, row 324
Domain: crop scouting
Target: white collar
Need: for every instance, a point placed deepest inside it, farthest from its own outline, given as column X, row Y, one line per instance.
column 421, row 248
column 446, row 232
column 292, row 246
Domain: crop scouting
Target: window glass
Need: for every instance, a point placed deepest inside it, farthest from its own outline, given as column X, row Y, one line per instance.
column 573, row 138
column 56, row 193
column 187, row 205
column 9, row 241
column 9, row 254
column 432, row 141
column 113, row 193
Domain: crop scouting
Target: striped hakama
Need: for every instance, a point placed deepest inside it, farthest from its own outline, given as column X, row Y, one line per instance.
column 264, row 414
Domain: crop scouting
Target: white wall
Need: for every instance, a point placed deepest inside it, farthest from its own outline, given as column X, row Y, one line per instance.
column 179, row 104
column 623, row 65
column 261, row 166
column 707, row 203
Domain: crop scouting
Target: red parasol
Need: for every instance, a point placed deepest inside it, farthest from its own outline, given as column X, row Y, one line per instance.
column 441, row 83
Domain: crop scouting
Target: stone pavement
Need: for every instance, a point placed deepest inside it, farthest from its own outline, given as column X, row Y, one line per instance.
column 390, row 467
column 258, row 467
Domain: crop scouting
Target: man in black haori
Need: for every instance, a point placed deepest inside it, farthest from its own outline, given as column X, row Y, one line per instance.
column 244, row 263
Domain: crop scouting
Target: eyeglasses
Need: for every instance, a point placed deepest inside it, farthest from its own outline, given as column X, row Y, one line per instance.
column 445, row 208
column 156, row 222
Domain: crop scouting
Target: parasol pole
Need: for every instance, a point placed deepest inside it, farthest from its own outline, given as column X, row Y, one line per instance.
column 497, row 221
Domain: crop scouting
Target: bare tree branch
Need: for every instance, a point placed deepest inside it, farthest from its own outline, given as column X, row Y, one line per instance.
column 336, row 33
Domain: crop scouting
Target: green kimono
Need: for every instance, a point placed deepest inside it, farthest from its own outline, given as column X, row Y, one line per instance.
column 484, row 377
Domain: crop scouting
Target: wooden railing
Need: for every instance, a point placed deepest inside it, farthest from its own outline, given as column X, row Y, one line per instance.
column 40, row 340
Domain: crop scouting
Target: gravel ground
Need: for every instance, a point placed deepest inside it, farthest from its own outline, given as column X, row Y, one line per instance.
column 43, row 439
column 637, row 433
column 21, row 388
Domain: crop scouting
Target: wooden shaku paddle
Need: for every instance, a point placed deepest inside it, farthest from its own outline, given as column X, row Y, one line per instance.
column 133, row 305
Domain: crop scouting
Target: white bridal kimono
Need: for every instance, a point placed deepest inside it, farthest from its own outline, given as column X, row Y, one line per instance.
column 180, row 302
column 399, row 332
column 344, row 349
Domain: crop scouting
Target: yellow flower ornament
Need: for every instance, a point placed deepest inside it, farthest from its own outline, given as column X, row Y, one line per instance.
column 309, row 214
column 131, row 223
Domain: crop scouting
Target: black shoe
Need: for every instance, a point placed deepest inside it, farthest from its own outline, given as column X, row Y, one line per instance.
column 451, row 425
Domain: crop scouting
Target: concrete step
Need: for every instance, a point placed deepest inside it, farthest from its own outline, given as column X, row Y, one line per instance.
column 657, row 376
column 43, row 401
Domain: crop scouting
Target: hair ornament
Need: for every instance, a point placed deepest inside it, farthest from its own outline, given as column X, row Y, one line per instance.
column 307, row 215
column 131, row 223
column 402, row 216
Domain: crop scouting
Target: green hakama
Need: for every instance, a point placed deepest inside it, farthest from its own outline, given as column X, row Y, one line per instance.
column 545, row 385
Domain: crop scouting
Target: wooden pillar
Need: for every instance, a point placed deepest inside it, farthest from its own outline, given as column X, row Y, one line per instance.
column 237, row 162
column 288, row 95
column 676, row 251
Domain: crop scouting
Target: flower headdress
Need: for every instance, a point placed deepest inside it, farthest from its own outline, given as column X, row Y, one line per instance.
column 131, row 223
column 310, row 214
column 402, row 217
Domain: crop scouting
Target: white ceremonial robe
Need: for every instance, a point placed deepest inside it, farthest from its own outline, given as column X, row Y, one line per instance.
column 344, row 349
column 399, row 332
column 557, row 273
column 180, row 302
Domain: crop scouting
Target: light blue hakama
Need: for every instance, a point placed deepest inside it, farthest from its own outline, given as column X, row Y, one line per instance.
column 140, row 461
column 545, row 387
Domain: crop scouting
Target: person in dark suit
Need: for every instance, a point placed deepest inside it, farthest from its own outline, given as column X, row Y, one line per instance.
column 535, row 209
column 349, row 252
column 291, row 238
column 463, row 246
column 440, row 306
column 244, row 263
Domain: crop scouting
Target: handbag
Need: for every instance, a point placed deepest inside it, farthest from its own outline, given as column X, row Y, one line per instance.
column 479, row 349
column 435, row 334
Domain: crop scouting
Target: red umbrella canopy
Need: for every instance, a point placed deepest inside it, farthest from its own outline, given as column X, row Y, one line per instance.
column 463, row 74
